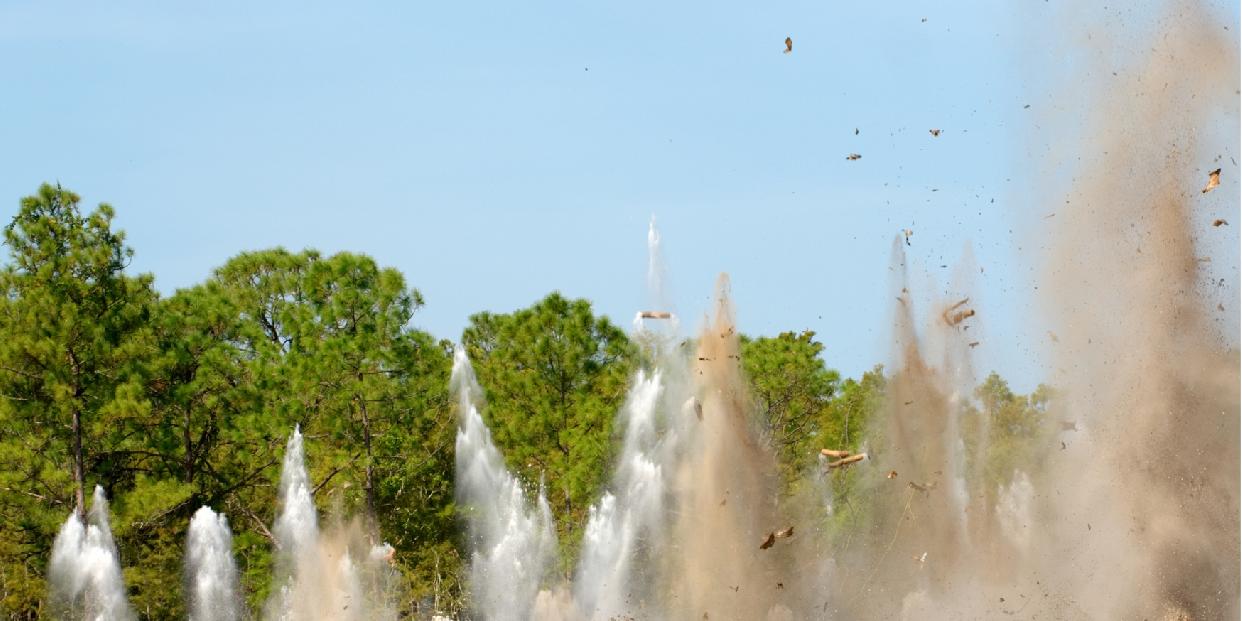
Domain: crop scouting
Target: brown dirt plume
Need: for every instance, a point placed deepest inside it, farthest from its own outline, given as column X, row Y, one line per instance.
column 1152, row 381
column 725, row 491
column 916, row 527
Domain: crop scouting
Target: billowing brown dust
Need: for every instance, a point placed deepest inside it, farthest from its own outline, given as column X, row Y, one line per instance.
column 1127, row 507
column 1144, row 368
column 1136, row 515
column 724, row 490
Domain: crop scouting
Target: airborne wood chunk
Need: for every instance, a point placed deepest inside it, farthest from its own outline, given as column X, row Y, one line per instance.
column 959, row 317
column 953, row 318
column 853, row 156
column 768, row 542
column 845, row 461
column 1213, row 181
column 833, row 453
column 1219, row 222
column 655, row 315
column 788, row 45
column 934, row 132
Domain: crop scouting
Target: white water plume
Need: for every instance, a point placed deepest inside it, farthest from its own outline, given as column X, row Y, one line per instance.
column 660, row 307
column 627, row 519
column 212, row 589
column 513, row 541
column 655, row 265
column 297, row 526
column 296, row 532
column 85, row 570
column 1014, row 510
column 318, row 576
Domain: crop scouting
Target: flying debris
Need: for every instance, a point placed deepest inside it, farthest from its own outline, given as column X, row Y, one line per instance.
column 383, row 552
column 845, row 461
column 853, row 156
column 855, row 131
column 927, row 487
column 788, row 45
column 655, row 315
column 1069, row 425
column 892, row 474
column 1213, row 181
column 1219, row 222
column 973, row 344
column 960, row 316
column 835, row 454
column 934, row 132
column 953, row 317
column 770, row 540
column 908, row 233
column 1053, row 335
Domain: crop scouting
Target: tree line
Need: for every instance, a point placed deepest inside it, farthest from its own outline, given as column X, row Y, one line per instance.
column 174, row 402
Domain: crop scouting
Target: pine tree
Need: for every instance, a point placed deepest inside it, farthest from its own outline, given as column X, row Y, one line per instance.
column 73, row 332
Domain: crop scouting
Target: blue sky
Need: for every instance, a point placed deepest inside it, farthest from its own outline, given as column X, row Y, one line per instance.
column 496, row 152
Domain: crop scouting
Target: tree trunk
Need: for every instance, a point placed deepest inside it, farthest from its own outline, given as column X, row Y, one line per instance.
column 369, row 483
column 187, row 463
column 79, row 492
column 78, row 483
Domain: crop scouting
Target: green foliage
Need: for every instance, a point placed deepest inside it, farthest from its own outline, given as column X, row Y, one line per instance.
column 848, row 426
column 325, row 343
column 793, row 389
column 187, row 400
column 74, row 337
column 554, row 376
column 1005, row 433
